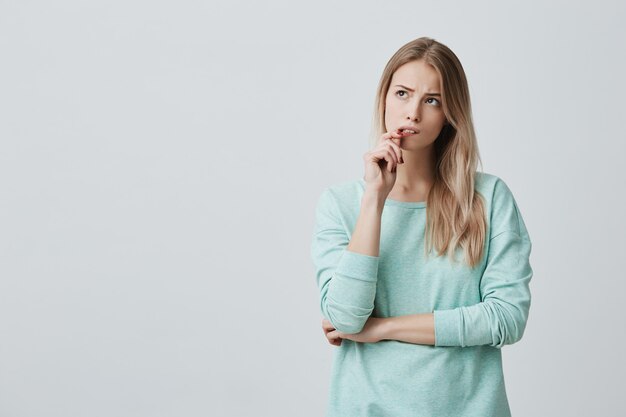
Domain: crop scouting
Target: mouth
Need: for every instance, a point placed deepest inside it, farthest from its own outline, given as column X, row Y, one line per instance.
column 408, row 130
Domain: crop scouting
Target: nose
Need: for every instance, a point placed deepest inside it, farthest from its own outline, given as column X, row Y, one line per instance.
column 414, row 112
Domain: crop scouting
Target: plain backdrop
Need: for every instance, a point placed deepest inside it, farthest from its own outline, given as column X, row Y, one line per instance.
column 160, row 164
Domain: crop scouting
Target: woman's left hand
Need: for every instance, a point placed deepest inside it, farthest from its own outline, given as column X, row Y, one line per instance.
column 372, row 332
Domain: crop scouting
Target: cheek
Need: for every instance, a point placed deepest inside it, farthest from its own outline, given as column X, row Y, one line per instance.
column 437, row 117
column 391, row 108
column 390, row 111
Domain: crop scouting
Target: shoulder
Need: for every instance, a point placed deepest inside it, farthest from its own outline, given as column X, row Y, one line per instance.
column 342, row 197
column 344, row 190
column 493, row 188
column 487, row 182
column 502, row 208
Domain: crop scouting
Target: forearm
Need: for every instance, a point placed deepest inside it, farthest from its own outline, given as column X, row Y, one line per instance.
column 366, row 234
column 415, row 328
column 347, row 263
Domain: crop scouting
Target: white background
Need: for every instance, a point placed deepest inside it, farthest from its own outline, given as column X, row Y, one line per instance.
column 160, row 163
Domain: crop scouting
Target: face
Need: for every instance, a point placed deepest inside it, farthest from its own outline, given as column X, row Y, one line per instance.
column 414, row 99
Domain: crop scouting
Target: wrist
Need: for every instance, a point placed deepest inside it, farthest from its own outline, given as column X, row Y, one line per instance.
column 373, row 199
column 384, row 328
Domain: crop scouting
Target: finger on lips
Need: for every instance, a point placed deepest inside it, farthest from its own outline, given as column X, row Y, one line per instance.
column 396, row 142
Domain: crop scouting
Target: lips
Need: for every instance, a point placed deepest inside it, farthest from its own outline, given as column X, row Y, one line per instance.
column 409, row 130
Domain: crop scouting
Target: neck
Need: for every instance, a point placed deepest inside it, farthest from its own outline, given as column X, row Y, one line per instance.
column 417, row 171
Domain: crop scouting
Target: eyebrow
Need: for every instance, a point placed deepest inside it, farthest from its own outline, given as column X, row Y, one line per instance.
column 411, row 90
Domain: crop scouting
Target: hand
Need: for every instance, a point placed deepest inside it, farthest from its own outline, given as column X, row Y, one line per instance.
column 382, row 161
column 372, row 332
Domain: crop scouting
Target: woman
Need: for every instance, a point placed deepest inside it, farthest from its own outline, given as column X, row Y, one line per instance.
column 420, row 331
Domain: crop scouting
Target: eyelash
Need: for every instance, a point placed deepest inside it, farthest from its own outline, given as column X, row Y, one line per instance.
column 438, row 102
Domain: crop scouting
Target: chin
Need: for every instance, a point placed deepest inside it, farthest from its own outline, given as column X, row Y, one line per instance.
column 416, row 145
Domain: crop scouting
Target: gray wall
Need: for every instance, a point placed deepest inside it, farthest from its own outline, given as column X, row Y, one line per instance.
column 160, row 163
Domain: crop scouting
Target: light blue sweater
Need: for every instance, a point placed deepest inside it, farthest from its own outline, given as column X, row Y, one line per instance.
column 476, row 311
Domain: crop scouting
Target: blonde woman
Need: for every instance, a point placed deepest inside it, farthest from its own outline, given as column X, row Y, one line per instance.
column 423, row 263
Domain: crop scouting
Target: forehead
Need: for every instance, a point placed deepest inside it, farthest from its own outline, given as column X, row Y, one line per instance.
column 417, row 75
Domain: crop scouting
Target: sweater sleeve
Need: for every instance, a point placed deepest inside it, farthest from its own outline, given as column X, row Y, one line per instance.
column 346, row 280
column 500, row 318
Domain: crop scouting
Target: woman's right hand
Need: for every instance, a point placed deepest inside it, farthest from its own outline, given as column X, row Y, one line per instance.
column 381, row 163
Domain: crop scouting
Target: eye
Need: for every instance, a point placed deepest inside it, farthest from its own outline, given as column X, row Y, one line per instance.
column 401, row 91
column 433, row 98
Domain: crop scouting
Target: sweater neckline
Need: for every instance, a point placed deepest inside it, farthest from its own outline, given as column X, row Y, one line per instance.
column 398, row 203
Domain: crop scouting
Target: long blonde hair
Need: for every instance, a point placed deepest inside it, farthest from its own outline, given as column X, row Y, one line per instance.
column 455, row 211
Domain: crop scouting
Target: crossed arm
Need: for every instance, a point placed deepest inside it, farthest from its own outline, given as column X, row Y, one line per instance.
column 346, row 273
column 413, row 328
